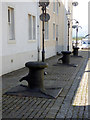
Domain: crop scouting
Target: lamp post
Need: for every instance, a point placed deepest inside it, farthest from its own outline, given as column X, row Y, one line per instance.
column 76, row 22
column 43, row 51
column 74, row 4
column 68, row 34
column 75, row 51
column 68, row 13
column 76, row 26
column 44, row 17
column 69, row 20
column 77, row 34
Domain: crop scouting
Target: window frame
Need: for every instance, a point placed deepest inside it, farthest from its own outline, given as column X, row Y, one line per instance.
column 33, row 27
column 9, row 15
column 11, row 23
column 54, row 31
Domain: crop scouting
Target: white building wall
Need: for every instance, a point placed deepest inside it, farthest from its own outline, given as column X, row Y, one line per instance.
column 65, row 34
column 0, row 38
column 17, row 52
column 70, row 6
column 67, row 5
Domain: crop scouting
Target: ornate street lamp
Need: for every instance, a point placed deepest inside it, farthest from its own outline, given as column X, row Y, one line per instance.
column 43, row 3
column 74, row 3
column 68, row 13
column 75, row 49
column 44, row 17
column 76, row 26
column 68, row 30
column 87, row 35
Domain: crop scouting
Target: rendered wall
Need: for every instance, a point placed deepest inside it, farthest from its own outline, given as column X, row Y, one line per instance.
column 16, row 53
column 0, row 38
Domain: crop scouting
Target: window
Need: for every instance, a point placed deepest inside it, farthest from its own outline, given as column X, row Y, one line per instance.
column 53, row 31
column 32, row 27
column 57, row 7
column 53, row 5
column 46, row 30
column 11, row 23
column 57, row 31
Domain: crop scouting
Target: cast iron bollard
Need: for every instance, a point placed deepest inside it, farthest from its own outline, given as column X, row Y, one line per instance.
column 35, row 77
column 75, row 51
column 66, row 57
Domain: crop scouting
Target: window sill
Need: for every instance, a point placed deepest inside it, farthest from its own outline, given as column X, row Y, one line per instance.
column 46, row 39
column 11, row 41
column 31, row 40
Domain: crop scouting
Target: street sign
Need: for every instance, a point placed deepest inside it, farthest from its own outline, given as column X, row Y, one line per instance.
column 44, row 3
column 45, row 17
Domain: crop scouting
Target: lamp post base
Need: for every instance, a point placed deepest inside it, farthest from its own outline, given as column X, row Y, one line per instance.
column 75, row 51
column 43, row 56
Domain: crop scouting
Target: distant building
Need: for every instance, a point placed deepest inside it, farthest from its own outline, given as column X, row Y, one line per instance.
column 22, row 32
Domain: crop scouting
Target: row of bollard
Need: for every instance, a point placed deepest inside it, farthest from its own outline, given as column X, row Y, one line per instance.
column 35, row 79
column 66, row 55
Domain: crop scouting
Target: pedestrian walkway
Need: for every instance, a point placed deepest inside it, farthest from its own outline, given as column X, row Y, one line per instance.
column 71, row 103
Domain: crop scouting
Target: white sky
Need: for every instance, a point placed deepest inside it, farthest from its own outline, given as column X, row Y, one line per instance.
column 80, row 13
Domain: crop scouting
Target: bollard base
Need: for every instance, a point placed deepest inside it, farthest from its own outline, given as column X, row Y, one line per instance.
column 24, row 91
column 69, row 65
column 66, row 57
column 77, row 56
column 75, row 51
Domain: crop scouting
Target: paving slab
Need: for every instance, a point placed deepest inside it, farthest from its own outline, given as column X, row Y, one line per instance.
column 58, row 75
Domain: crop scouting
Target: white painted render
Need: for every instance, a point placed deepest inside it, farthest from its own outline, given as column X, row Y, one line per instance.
column 15, row 53
column 0, row 38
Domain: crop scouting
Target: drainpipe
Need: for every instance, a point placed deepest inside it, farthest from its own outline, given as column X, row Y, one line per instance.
column 38, row 32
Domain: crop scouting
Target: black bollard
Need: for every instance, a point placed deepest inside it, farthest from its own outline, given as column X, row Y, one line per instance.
column 66, row 57
column 36, row 74
column 35, row 79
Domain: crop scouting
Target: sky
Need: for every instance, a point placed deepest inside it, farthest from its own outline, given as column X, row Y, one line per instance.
column 80, row 13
